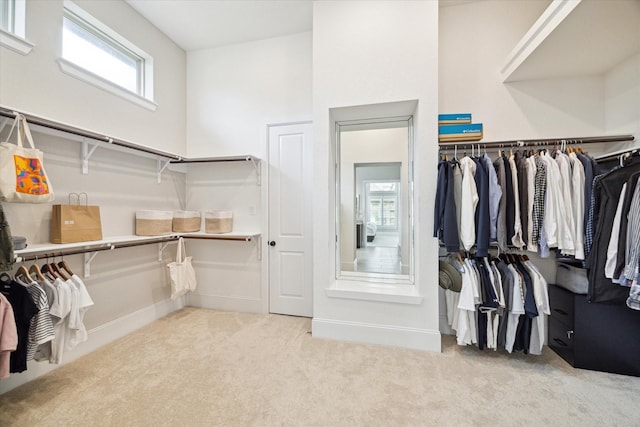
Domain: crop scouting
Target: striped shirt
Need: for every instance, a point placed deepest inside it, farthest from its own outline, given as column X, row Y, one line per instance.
column 633, row 237
column 41, row 328
column 538, row 199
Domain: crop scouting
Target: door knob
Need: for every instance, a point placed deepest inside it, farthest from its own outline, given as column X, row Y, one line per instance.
column 272, row 243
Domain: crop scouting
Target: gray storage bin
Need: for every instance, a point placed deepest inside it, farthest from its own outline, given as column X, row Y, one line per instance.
column 572, row 278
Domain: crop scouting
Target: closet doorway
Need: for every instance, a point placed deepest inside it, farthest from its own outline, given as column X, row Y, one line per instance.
column 290, row 242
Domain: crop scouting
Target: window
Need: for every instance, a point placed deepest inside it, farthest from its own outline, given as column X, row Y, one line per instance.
column 383, row 200
column 12, row 26
column 99, row 55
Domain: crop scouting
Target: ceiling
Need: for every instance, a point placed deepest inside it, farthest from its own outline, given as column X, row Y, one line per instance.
column 203, row 24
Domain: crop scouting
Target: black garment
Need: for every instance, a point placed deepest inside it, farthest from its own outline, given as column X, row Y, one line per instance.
column 6, row 244
column 482, row 210
column 587, row 163
column 523, row 332
column 606, row 192
column 490, row 302
column 23, row 310
column 510, row 201
column 624, row 220
column 445, row 220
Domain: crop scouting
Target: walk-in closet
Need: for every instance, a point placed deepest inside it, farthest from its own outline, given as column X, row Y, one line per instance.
column 272, row 213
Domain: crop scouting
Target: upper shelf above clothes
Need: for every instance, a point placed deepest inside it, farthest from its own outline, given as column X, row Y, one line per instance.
column 93, row 140
column 576, row 38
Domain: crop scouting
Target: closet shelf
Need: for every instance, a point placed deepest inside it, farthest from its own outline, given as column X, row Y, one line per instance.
column 576, row 38
column 101, row 140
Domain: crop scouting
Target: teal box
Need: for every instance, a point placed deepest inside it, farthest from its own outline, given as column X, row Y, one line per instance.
column 464, row 132
column 457, row 118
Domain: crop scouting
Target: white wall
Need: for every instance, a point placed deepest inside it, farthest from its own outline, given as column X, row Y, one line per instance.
column 622, row 98
column 475, row 40
column 367, row 52
column 35, row 83
column 233, row 92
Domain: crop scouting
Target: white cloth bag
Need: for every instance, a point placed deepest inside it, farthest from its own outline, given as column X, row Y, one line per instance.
column 22, row 175
column 181, row 272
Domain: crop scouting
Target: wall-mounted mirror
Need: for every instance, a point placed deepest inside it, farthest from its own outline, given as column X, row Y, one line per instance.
column 374, row 199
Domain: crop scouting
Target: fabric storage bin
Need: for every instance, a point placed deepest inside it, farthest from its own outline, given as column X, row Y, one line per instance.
column 572, row 278
column 153, row 223
column 218, row 221
column 186, row 221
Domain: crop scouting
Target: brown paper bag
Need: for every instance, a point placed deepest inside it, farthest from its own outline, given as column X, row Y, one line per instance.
column 75, row 222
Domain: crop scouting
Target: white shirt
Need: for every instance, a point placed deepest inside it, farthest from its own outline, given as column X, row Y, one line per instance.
column 517, row 309
column 577, row 184
column 466, row 332
column 469, row 202
column 612, row 249
column 567, row 231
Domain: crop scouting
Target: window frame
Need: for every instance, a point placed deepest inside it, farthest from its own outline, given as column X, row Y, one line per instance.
column 13, row 37
column 103, row 34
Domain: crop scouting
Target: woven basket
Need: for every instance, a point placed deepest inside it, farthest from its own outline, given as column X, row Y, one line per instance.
column 216, row 222
column 153, row 223
column 186, row 221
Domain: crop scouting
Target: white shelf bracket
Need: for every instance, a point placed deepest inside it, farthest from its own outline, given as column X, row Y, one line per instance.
column 161, row 167
column 256, row 165
column 88, row 257
column 86, row 155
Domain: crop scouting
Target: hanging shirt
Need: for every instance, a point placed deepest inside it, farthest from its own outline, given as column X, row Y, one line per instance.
column 8, row 335
column 516, row 308
column 40, row 328
column 566, row 234
column 60, row 327
column 469, row 203
column 495, row 195
column 541, row 297
column 531, row 176
column 539, row 198
column 24, row 309
column 466, row 332
column 624, row 222
column 457, row 196
column 612, row 247
column 523, row 194
column 577, row 194
column 482, row 209
column 79, row 335
column 633, row 236
column 501, row 220
column 516, row 238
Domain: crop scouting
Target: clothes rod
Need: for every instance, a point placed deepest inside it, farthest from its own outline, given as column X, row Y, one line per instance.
column 538, row 142
column 41, row 121
column 53, row 254
column 630, row 150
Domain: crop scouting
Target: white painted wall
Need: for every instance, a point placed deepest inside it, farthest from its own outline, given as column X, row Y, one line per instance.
column 367, row 52
column 35, row 83
column 475, row 40
column 233, row 92
column 622, row 98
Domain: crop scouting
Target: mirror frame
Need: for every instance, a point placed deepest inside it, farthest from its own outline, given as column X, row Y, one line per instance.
column 369, row 124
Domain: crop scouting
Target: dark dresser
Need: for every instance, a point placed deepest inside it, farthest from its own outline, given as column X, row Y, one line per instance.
column 598, row 337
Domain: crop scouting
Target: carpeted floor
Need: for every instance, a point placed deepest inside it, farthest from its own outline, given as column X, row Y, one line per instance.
column 200, row 368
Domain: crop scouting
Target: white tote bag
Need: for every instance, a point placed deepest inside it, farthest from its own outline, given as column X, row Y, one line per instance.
column 22, row 175
column 183, row 276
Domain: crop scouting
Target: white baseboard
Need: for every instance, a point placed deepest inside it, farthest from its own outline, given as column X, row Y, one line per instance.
column 397, row 336
column 99, row 336
column 224, row 303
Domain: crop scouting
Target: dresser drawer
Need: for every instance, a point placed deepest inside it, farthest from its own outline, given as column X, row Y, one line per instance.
column 562, row 305
column 561, row 340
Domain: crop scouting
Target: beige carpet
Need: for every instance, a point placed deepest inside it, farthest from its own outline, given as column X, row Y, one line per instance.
column 200, row 367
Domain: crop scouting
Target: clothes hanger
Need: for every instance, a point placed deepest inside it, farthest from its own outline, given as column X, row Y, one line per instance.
column 35, row 270
column 47, row 270
column 23, row 273
column 63, row 264
column 59, row 272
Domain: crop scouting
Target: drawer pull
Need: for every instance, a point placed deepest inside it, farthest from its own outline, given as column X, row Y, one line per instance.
column 569, row 333
column 559, row 341
column 564, row 313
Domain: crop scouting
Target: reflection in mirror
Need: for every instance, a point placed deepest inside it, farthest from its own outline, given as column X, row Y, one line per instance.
column 374, row 198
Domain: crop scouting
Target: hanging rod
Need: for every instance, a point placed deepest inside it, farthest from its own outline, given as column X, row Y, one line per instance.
column 538, row 142
column 613, row 155
column 47, row 123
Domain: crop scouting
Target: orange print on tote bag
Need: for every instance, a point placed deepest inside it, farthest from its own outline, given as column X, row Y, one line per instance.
column 23, row 178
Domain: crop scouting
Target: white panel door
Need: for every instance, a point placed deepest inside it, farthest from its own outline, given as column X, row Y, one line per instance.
column 290, row 220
